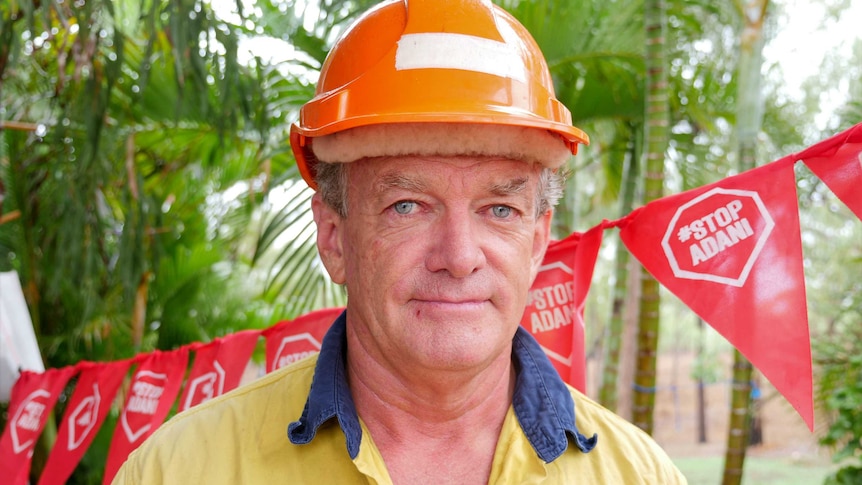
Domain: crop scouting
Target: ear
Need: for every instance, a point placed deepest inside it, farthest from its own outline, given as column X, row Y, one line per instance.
column 541, row 238
column 329, row 237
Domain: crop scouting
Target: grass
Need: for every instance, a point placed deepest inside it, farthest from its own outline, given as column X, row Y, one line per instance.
column 757, row 470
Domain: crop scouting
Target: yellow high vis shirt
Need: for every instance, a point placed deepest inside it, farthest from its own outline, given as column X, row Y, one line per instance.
column 298, row 425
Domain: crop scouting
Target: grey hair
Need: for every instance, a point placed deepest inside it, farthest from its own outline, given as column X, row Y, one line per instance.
column 331, row 181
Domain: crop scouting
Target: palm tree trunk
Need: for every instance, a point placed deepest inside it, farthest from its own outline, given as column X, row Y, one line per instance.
column 608, row 395
column 749, row 119
column 656, row 139
column 139, row 311
column 737, row 434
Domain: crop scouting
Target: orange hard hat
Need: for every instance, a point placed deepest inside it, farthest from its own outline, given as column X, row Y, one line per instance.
column 432, row 61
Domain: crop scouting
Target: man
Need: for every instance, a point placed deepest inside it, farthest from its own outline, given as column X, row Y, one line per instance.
column 434, row 142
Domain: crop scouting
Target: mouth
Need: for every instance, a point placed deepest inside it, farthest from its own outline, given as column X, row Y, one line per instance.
column 451, row 304
column 448, row 301
column 444, row 302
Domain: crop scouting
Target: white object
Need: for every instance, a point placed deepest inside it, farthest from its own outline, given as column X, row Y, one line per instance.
column 18, row 347
column 440, row 50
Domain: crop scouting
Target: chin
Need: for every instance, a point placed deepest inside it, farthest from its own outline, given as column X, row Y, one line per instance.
column 460, row 352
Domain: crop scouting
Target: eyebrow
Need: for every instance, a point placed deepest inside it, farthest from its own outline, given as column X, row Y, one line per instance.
column 511, row 187
column 394, row 180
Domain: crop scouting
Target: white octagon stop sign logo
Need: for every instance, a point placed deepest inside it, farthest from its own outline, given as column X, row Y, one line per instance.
column 294, row 348
column 206, row 386
column 550, row 310
column 146, row 390
column 717, row 236
column 27, row 420
column 83, row 418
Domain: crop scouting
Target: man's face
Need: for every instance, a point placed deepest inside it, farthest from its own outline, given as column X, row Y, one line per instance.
column 437, row 254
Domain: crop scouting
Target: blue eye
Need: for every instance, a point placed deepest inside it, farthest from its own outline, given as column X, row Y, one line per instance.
column 404, row 206
column 501, row 211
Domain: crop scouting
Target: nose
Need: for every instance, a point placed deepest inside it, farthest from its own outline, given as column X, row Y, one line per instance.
column 456, row 245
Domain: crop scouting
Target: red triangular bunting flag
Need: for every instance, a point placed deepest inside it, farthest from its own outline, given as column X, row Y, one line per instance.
column 555, row 305
column 86, row 410
column 838, row 163
column 292, row 340
column 732, row 252
column 218, row 367
column 152, row 392
column 33, row 397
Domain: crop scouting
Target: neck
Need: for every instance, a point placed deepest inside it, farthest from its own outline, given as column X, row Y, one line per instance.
column 420, row 418
column 399, row 396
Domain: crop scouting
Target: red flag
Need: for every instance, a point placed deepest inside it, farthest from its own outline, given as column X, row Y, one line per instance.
column 153, row 389
column 218, row 367
column 838, row 163
column 94, row 392
column 555, row 304
column 32, row 399
column 732, row 252
column 291, row 340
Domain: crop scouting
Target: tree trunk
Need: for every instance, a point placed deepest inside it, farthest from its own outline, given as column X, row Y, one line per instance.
column 701, row 390
column 139, row 311
column 749, row 118
column 656, row 140
column 608, row 395
column 737, row 434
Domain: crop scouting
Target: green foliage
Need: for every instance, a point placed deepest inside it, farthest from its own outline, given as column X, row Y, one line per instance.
column 142, row 169
column 137, row 155
column 128, row 109
column 850, row 475
column 594, row 51
column 839, row 358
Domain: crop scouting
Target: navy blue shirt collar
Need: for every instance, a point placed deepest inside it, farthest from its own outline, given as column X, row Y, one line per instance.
column 541, row 401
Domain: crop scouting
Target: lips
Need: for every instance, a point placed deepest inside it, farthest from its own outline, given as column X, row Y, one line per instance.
column 447, row 294
column 451, row 303
column 450, row 307
column 451, row 299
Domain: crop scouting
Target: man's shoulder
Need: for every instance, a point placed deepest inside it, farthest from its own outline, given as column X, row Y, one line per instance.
column 592, row 417
column 250, row 420
column 623, row 450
